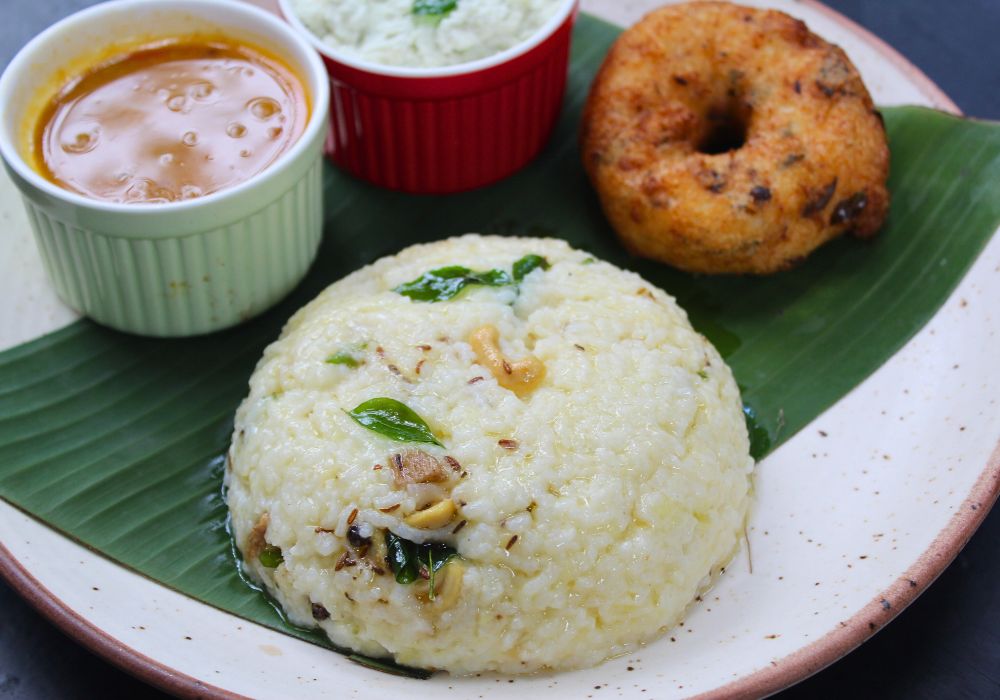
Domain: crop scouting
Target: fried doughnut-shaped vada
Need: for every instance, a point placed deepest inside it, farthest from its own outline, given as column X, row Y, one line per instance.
column 725, row 139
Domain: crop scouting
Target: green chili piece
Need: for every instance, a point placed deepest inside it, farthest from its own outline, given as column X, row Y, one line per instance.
column 270, row 556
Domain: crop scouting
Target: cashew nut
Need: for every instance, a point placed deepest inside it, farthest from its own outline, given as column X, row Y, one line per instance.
column 438, row 515
column 521, row 377
column 448, row 584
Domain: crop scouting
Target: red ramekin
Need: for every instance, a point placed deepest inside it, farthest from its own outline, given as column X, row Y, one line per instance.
column 447, row 129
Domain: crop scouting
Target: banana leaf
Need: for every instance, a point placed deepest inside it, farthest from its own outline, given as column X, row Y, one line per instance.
column 118, row 441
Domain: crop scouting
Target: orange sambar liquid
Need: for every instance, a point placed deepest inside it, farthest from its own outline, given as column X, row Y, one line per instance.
column 169, row 121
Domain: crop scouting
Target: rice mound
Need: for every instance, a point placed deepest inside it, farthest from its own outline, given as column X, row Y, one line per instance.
column 590, row 510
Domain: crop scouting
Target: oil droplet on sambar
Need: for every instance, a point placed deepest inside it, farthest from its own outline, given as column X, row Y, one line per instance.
column 263, row 108
column 176, row 103
column 83, row 141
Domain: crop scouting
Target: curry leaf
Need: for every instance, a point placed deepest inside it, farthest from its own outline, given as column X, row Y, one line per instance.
column 760, row 439
column 528, row 264
column 436, row 285
column 434, row 555
column 406, row 558
column 394, row 420
column 433, row 8
column 490, row 278
column 401, row 557
column 447, row 282
column 390, row 666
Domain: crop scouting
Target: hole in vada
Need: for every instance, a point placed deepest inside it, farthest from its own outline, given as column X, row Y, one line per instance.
column 726, row 130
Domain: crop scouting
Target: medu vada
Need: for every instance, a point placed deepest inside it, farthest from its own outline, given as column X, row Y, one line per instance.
column 726, row 139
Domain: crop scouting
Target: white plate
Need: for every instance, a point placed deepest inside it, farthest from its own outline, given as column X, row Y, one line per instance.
column 855, row 515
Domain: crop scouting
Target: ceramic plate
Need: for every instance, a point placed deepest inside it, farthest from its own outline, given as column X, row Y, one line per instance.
column 854, row 516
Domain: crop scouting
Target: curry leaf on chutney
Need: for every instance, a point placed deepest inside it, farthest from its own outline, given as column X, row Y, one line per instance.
column 436, row 9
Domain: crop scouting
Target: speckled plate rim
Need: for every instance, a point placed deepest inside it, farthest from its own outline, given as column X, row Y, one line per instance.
column 881, row 610
column 781, row 673
column 82, row 630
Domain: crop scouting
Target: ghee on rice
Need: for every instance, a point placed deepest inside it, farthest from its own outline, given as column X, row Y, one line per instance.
column 595, row 506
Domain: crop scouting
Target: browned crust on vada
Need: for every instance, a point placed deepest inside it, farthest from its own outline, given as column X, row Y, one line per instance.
column 689, row 81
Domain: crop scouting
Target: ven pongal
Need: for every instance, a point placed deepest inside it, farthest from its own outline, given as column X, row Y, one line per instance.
column 489, row 454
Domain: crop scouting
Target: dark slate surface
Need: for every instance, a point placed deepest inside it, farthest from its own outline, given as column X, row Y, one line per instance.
column 947, row 644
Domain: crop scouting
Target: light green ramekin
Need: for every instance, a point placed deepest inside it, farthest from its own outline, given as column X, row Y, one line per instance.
column 179, row 268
